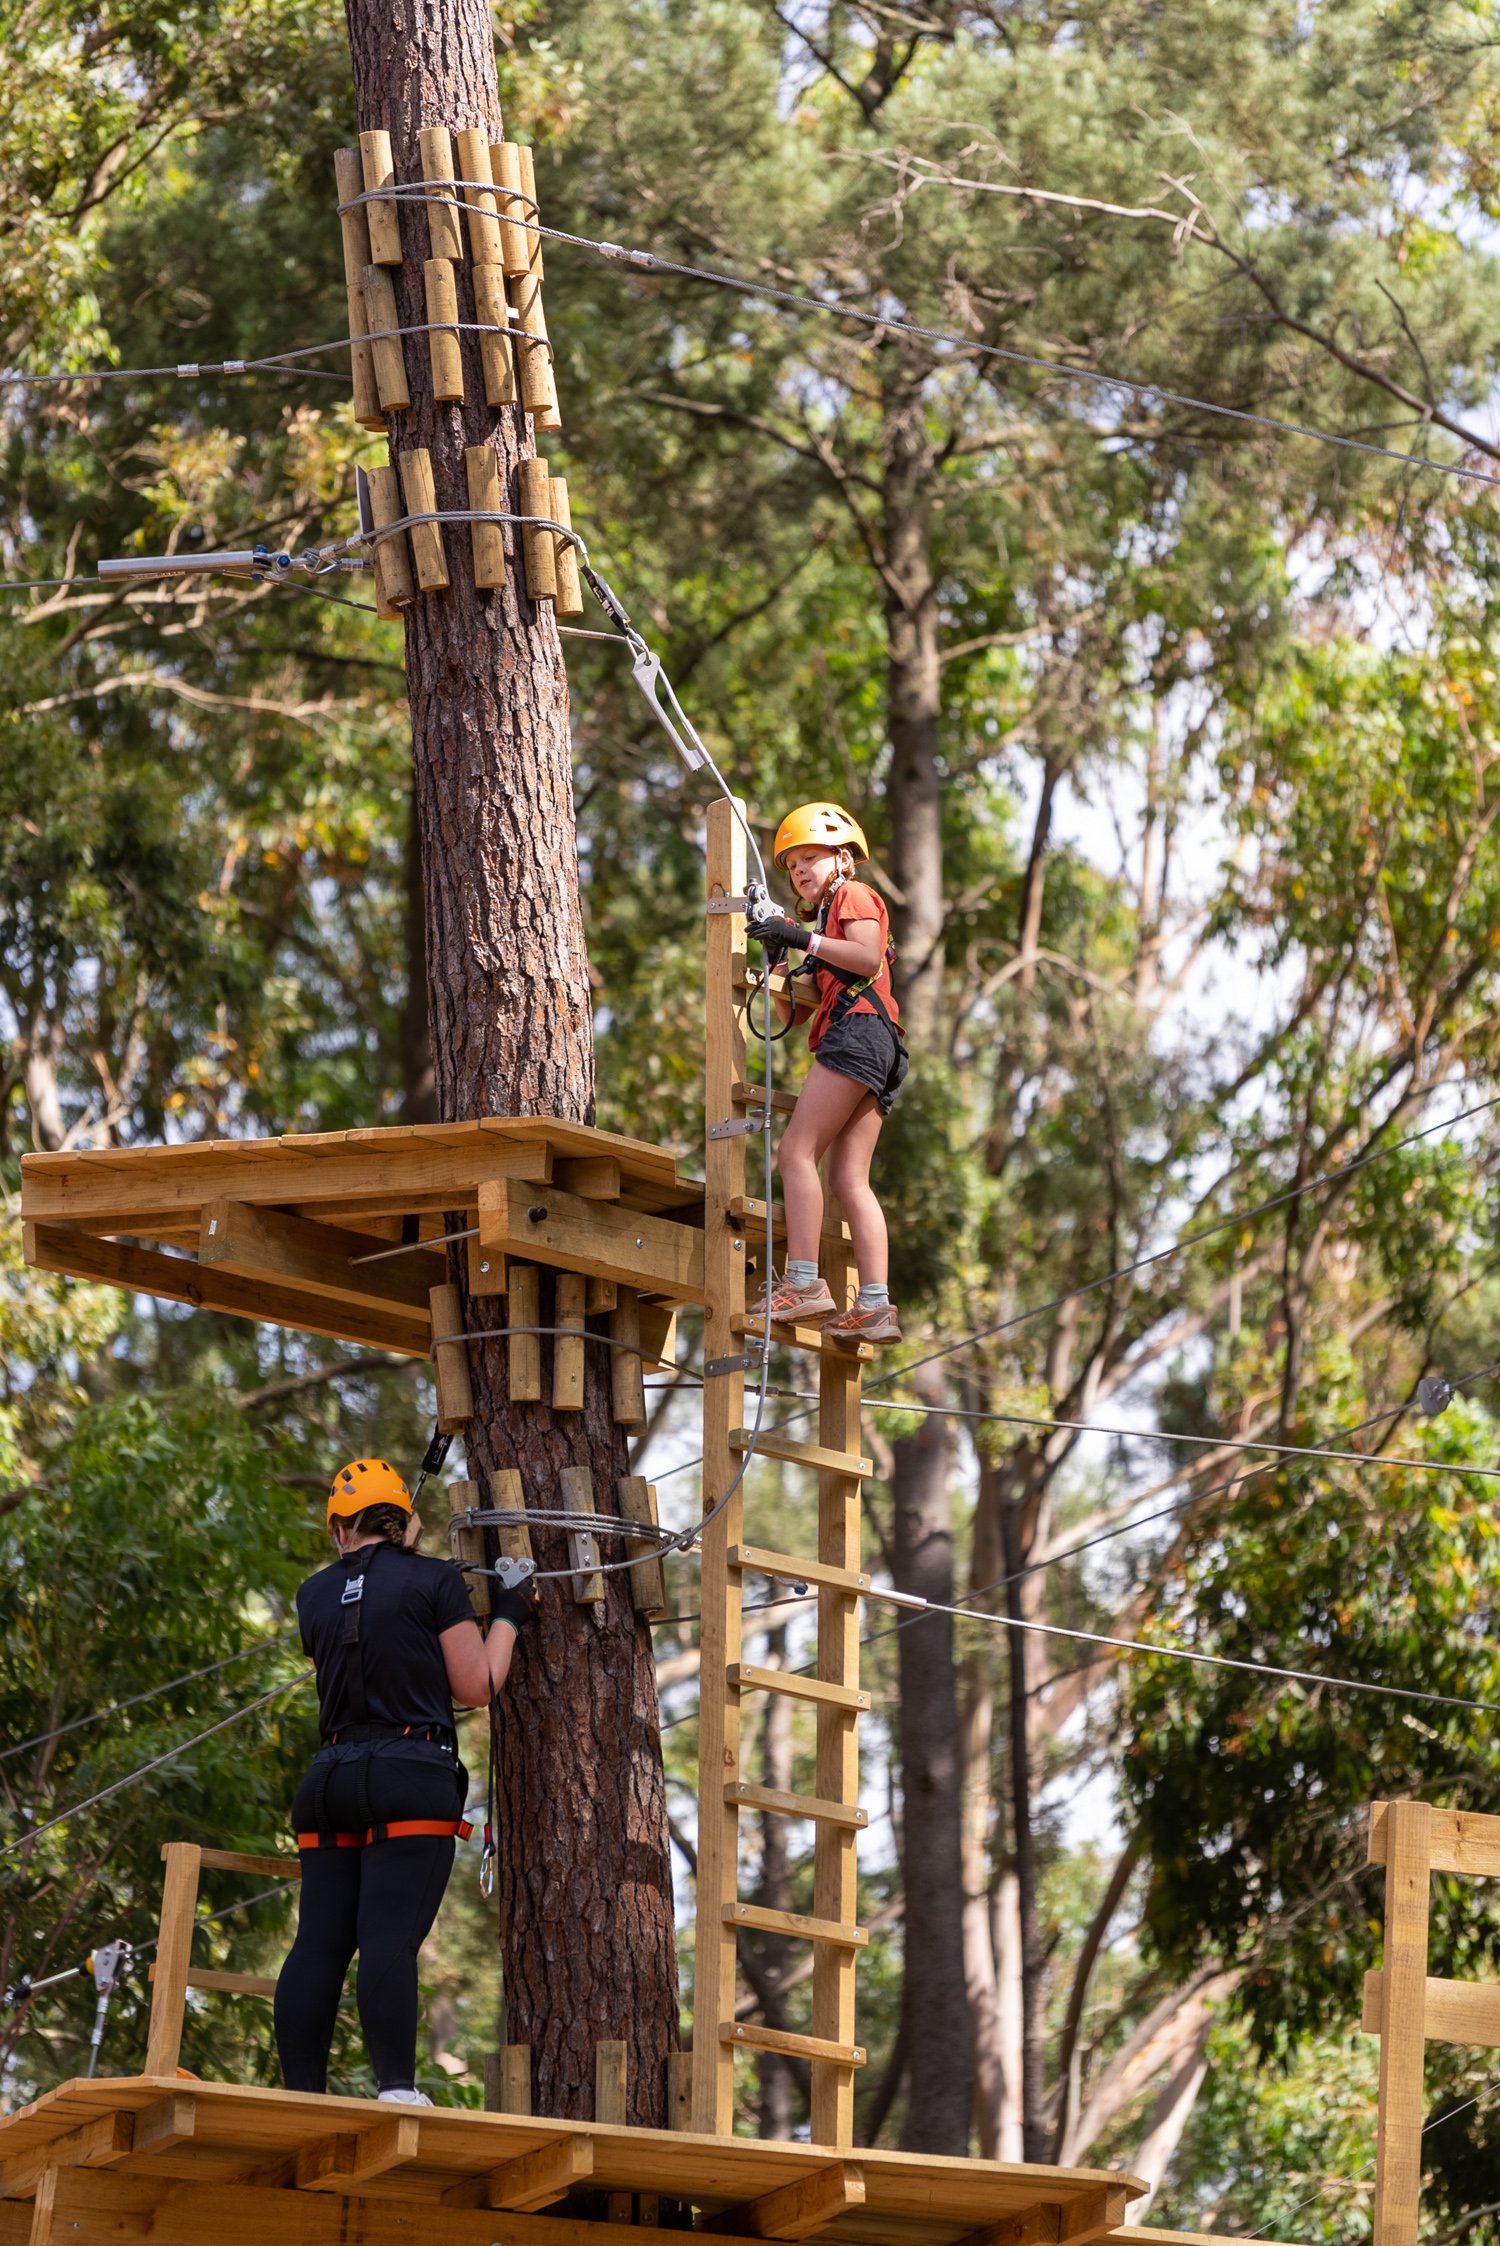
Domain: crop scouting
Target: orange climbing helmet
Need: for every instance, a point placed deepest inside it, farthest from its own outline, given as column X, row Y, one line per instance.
column 819, row 826
column 365, row 1481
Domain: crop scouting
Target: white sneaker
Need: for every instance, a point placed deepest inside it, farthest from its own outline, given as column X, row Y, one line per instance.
column 403, row 2098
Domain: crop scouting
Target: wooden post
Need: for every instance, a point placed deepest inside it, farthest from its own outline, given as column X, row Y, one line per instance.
column 394, row 585
column 679, row 2089
column 455, row 1397
column 444, row 234
column 443, row 348
column 538, row 547
column 627, row 1388
column 715, row 1962
column 567, row 1353
column 420, row 495
column 484, row 223
column 383, row 219
column 515, row 239
column 569, row 583
column 354, row 230
column 468, row 1545
column 577, row 1490
column 496, row 351
column 648, row 1582
column 524, row 1302
column 1398, row 2142
column 609, row 2083
column 515, row 2078
column 179, row 1905
column 387, row 348
column 482, row 470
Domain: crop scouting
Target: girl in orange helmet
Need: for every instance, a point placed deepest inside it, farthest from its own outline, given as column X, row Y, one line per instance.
column 860, row 1061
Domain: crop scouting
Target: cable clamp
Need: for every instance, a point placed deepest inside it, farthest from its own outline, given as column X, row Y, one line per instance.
column 631, row 257
column 234, row 366
column 187, row 371
column 739, row 1125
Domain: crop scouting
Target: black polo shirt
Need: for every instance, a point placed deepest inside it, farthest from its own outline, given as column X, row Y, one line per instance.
column 408, row 1601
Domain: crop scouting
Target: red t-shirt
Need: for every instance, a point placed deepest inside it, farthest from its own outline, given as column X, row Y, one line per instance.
column 852, row 901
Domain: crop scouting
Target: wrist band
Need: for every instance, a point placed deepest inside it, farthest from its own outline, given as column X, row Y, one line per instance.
column 814, row 946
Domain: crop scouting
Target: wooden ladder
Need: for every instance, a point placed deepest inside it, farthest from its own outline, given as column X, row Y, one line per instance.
column 734, row 1222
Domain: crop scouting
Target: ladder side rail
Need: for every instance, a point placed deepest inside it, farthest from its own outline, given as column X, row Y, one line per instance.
column 715, row 1948
column 1398, row 2142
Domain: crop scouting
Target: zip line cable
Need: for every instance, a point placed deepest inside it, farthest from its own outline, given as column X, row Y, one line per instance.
column 92, row 1801
column 24, row 1988
column 41, row 1738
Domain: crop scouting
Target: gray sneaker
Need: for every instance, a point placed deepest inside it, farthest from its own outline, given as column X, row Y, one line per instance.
column 877, row 1324
column 789, row 1304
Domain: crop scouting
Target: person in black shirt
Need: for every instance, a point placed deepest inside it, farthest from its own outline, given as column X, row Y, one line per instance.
column 394, row 1641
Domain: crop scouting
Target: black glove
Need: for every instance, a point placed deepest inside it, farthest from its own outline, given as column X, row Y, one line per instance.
column 517, row 1607
column 778, row 933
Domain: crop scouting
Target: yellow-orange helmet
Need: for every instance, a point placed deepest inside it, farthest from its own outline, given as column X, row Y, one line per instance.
column 365, row 1481
column 819, row 826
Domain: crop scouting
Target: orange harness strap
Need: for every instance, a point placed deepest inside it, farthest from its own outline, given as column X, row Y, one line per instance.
column 400, row 1828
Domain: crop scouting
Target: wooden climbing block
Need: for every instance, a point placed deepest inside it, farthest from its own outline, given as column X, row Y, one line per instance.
column 420, row 494
column 524, row 1308
column 382, row 217
column 395, row 587
column 484, row 223
column 444, row 232
column 508, row 1495
column 627, row 1389
column 468, row 1544
column 568, row 1352
column 450, row 1356
column 648, row 1585
column 538, row 547
column 487, row 540
column 354, row 230
column 496, row 351
column 577, row 1491
column 442, row 341
column 387, row 348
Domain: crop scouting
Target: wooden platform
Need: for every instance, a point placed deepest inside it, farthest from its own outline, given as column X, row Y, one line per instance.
column 182, row 2163
column 271, row 1228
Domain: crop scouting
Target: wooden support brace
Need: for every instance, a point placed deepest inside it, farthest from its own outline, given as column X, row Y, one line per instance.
column 354, row 229
column 538, row 546
column 627, row 1389
column 353, row 2157
column 523, row 1308
column 487, row 540
column 444, row 234
column 569, row 583
column 95, row 2144
column 1091, row 2214
column 1035, row 2226
column 583, row 1549
column 540, row 2178
column 442, row 341
column 496, row 351
column 610, row 2060
column 179, row 1905
column 593, row 1177
column 603, row 1296
column 262, row 1243
column 387, row 349
column 484, row 223
column 468, row 1545
column 382, row 218
column 455, row 1395
column 801, row 2209
column 648, row 1586
column 395, row 586
column 655, row 1254
column 165, row 2124
column 1398, row 2140
column 420, row 494
column 568, row 1352
column 515, row 239
column 508, row 1495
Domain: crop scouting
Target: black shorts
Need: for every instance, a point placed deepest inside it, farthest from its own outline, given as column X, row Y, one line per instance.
column 869, row 1050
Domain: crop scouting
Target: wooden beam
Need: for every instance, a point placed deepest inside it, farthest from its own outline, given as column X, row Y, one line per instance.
column 232, row 1860
column 166, row 2122
column 145, row 1271
column 350, row 2158
column 538, row 1222
column 593, row 1177
column 1462, row 1840
column 1453, row 2011
column 93, row 2145
column 1093, row 2212
column 538, row 2179
column 1403, row 1993
column 261, row 1243
column 801, row 2209
column 1037, row 2226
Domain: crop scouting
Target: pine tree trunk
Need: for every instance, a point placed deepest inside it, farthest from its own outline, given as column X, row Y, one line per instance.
column 584, row 1881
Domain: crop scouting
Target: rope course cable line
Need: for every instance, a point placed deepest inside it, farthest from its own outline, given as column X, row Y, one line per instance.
column 157, row 1762
column 155, row 1692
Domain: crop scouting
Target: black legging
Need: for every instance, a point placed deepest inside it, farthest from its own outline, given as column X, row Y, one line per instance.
column 380, row 1900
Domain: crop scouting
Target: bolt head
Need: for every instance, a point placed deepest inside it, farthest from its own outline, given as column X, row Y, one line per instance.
column 484, row 1267
column 536, row 1214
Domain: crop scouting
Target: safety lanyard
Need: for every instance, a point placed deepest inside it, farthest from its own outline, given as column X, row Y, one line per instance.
column 352, row 1602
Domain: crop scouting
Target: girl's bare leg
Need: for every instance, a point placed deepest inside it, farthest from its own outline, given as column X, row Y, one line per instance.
column 824, row 1108
column 849, row 1182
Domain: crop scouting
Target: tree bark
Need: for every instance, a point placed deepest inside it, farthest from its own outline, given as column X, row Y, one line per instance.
column 934, row 1994
column 583, row 1873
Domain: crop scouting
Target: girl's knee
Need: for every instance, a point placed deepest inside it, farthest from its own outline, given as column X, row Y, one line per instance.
column 794, row 1156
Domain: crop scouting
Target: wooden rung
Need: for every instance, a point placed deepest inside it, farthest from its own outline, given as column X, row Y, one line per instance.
column 767, row 1445
column 798, row 1925
column 230, row 1860
column 744, row 1676
column 1463, row 1840
column 804, row 1337
column 754, row 1095
column 1465, row 2012
column 752, row 1214
column 781, row 1567
column 222, row 1984
column 749, row 2035
column 810, row 1807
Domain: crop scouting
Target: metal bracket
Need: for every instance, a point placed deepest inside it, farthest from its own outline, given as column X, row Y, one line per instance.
column 717, row 1365
column 727, row 904
column 740, row 1124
